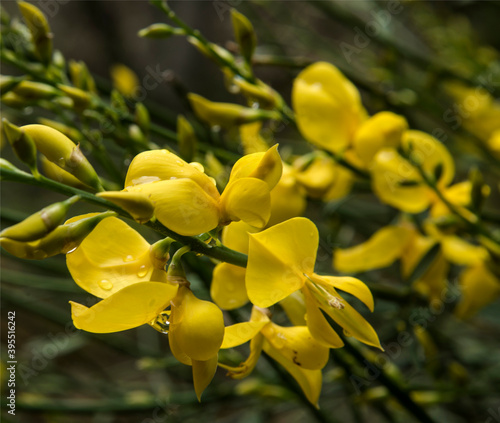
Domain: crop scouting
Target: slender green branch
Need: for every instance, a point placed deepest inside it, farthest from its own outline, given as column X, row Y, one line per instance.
column 220, row 253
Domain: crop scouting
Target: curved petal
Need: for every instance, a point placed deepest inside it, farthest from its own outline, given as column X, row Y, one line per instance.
column 310, row 381
column 267, row 167
column 182, row 206
column 397, row 183
column 319, row 327
column 479, row 288
column 235, row 236
column 297, row 345
column 278, row 258
column 228, row 286
column 113, row 256
column 203, row 373
column 327, row 106
column 196, row 326
column 156, row 165
column 251, row 139
column 341, row 185
column 460, row 252
column 352, row 286
column 458, row 194
column 247, row 199
column 132, row 306
column 380, row 250
column 433, row 283
column 240, row 333
column 318, row 176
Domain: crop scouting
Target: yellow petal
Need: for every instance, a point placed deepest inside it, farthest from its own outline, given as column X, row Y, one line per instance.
column 112, row 257
column 479, row 288
column 460, row 252
column 247, row 199
column 319, row 327
column 382, row 130
column 138, row 205
column 132, row 306
column 245, row 368
column 390, row 173
column 235, row 236
column 381, row 250
column 341, row 185
column 297, row 345
column 266, row 166
column 295, row 308
column 414, row 251
column 251, row 139
column 196, row 326
column 327, row 106
column 318, row 176
column 240, row 333
column 228, row 286
column 458, row 194
column 278, row 258
column 431, row 153
column 433, row 283
column 347, row 317
column 203, row 373
column 310, row 381
column 352, row 286
column 181, row 205
column 124, row 80
column 156, row 165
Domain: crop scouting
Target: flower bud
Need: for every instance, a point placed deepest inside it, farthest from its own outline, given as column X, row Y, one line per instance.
column 142, row 117
column 160, row 30
column 227, row 114
column 54, row 172
column 81, row 77
column 215, row 54
column 259, row 92
column 60, row 150
column 71, row 133
column 8, row 82
column 40, row 31
column 40, row 223
column 22, row 144
column 187, row 138
column 81, row 99
column 137, row 204
column 62, row 240
column 124, row 80
column 35, row 90
column 244, row 34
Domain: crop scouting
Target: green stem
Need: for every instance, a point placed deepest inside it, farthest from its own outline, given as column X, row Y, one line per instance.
column 220, row 253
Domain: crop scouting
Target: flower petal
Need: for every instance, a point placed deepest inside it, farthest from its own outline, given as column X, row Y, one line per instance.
column 132, row 306
column 380, row 250
column 247, row 199
column 310, row 381
column 235, row 236
column 240, row 333
column 182, row 206
column 228, row 286
column 196, row 326
column 156, row 165
column 278, row 258
column 203, row 373
column 297, row 345
column 352, row 286
column 113, row 256
column 461, row 252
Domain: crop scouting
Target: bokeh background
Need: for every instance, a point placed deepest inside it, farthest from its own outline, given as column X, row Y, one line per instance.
column 401, row 55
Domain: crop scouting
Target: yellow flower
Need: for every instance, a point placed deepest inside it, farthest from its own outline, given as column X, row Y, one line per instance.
column 327, row 106
column 479, row 288
column 293, row 347
column 281, row 261
column 398, row 183
column 124, row 80
column 186, row 200
column 113, row 257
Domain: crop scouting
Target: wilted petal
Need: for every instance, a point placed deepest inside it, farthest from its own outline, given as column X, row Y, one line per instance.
column 278, row 258
column 228, row 286
column 132, row 306
column 247, row 199
column 382, row 249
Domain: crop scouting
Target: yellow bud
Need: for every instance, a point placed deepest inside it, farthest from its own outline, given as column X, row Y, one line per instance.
column 142, row 117
column 22, row 144
column 135, row 203
column 15, row 101
column 40, row 223
column 124, row 80
column 81, row 99
column 55, row 173
column 187, row 138
column 71, row 133
column 8, row 82
column 81, row 77
column 227, row 114
column 160, row 30
column 135, row 133
column 59, row 149
column 62, row 240
column 40, row 30
column 244, row 34
column 259, row 92
column 214, row 54
column 32, row 90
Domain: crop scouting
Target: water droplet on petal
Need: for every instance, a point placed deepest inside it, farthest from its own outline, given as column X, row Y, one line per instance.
column 70, row 251
column 179, row 162
column 143, row 270
column 128, row 258
column 105, row 284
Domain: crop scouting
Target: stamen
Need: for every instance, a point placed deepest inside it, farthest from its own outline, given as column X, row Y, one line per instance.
column 332, row 301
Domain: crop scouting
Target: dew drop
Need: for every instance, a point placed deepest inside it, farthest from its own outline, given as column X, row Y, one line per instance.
column 128, row 258
column 142, row 271
column 179, row 162
column 70, row 251
column 105, row 284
